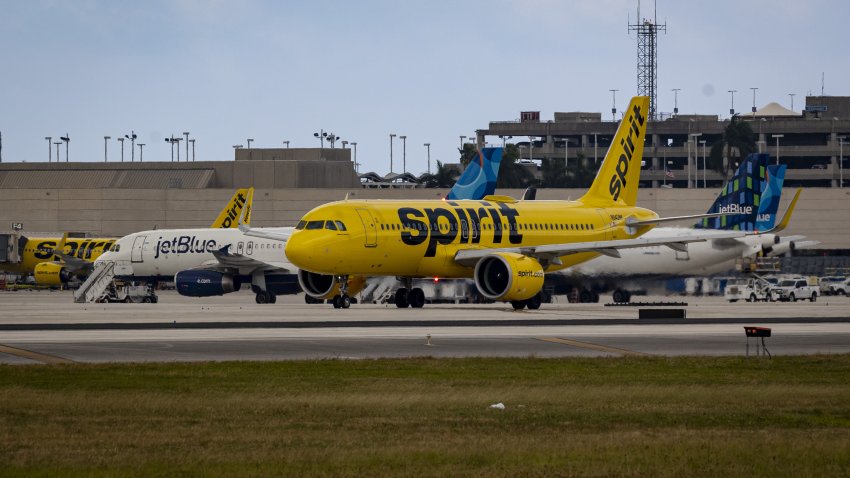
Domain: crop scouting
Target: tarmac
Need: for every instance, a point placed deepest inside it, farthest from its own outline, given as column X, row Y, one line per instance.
column 47, row 327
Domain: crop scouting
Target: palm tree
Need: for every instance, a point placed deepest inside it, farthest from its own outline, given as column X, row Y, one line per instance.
column 444, row 177
column 738, row 142
column 511, row 173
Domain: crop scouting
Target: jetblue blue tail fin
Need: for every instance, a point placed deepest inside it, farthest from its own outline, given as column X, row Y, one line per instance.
column 480, row 176
column 741, row 195
column 769, row 203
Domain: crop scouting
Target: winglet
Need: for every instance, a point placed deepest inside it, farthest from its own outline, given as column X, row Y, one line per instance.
column 61, row 245
column 786, row 218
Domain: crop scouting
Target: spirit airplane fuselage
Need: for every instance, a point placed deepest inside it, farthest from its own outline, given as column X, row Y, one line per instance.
column 421, row 238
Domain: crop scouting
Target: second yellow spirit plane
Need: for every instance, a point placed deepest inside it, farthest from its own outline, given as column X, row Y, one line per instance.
column 504, row 244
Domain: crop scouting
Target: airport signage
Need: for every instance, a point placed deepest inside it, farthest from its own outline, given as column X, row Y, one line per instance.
column 816, row 108
column 17, row 226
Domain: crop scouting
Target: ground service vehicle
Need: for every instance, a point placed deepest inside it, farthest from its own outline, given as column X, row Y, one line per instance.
column 752, row 289
column 792, row 290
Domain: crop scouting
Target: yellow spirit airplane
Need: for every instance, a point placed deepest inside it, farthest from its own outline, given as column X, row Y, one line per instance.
column 53, row 261
column 504, row 244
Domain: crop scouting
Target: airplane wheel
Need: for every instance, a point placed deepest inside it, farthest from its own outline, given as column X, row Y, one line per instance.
column 261, row 298
column 345, row 302
column 534, row 302
column 416, row 298
column 401, row 298
column 518, row 304
column 594, row 297
column 619, row 296
column 272, row 298
column 585, row 296
column 337, row 302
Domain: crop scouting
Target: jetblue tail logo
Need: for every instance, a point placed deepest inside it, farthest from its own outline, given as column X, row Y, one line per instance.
column 742, row 196
column 766, row 218
column 479, row 178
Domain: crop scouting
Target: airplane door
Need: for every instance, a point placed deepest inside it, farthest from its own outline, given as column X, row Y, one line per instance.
column 369, row 226
column 136, row 253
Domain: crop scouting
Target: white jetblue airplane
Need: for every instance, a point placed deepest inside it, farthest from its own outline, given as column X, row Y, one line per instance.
column 754, row 191
column 207, row 262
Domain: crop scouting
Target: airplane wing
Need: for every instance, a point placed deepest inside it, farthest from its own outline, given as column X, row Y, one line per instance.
column 551, row 252
column 227, row 260
column 265, row 234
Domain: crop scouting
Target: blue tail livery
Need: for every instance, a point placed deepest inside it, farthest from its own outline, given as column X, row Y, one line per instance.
column 743, row 194
column 479, row 178
column 769, row 202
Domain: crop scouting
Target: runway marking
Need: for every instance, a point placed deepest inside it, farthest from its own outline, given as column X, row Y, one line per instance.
column 29, row 354
column 592, row 346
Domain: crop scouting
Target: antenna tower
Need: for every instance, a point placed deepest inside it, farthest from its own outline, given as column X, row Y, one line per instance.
column 647, row 57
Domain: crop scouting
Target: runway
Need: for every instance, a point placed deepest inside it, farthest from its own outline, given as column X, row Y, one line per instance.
column 47, row 327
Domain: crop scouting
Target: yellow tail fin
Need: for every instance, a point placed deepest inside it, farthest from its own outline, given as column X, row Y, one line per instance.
column 228, row 218
column 616, row 182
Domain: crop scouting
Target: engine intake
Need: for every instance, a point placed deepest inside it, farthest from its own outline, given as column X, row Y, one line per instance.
column 50, row 273
column 206, row 283
column 508, row 276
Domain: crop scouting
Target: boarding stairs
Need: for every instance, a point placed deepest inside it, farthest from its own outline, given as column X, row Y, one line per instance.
column 98, row 281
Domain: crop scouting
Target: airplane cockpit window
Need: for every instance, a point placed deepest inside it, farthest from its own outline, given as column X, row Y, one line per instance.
column 330, row 226
column 301, row 224
column 340, row 225
column 315, row 225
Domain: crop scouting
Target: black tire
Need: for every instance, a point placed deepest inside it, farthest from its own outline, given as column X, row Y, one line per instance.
column 792, row 298
column 752, row 298
column 594, row 297
column 147, row 300
column 337, row 302
column 814, row 297
column 272, row 298
column 401, row 298
column 154, row 299
column 416, row 298
column 584, row 297
column 534, row 302
column 345, row 301
column 618, row 296
column 518, row 304
column 841, row 292
column 261, row 298
column 127, row 300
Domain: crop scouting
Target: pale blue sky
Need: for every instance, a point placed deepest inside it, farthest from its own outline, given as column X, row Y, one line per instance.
column 432, row 70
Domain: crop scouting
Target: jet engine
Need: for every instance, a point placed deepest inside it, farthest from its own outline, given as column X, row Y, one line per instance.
column 323, row 287
column 197, row 283
column 50, row 273
column 508, row 276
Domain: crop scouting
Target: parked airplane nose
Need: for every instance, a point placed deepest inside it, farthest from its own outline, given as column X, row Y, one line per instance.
column 296, row 251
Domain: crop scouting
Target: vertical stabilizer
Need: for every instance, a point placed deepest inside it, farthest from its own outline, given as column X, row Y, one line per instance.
column 228, row 217
column 769, row 204
column 740, row 197
column 617, row 180
column 480, row 176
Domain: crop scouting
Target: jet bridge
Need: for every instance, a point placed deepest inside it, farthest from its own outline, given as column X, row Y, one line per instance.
column 11, row 245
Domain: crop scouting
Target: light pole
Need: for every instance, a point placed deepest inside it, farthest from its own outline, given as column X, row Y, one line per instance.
column 57, row 143
column 428, row 149
column 841, row 161
column 186, row 134
column 141, row 151
column 696, row 164
column 248, row 140
column 777, row 136
column 50, row 150
column 676, row 100
column 614, row 104
column 344, row 143
column 332, row 138
column 132, row 138
column 173, row 142
column 67, row 140
column 403, row 139
column 566, row 152
column 732, row 108
column 392, row 135
column 178, row 140
column 237, row 146
column 792, row 95
column 461, row 143
column 595, row 152
column 286, row 143
column 702, row 142
column 105, row 140
column 530, row 148
column 356, row 164
column 321, row 135
column 121, row 140
column 193, row 149
column 754, row 98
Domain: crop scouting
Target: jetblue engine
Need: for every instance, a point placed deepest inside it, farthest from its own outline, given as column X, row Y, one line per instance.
column 508, row 277
column 323, row 287
column 205, row 283
column 50, row 273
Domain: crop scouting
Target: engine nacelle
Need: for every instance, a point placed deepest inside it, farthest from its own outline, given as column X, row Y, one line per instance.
column 50, row 273
column 508, row 276
column 205, row 283
column 324, row 287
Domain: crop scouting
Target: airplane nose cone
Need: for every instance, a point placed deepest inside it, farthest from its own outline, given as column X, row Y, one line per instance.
column 295, row 251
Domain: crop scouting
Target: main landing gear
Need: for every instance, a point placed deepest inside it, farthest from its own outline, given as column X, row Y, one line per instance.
column 409, row 296
column 342, row 300
column 265, row 297
column 532, row 303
